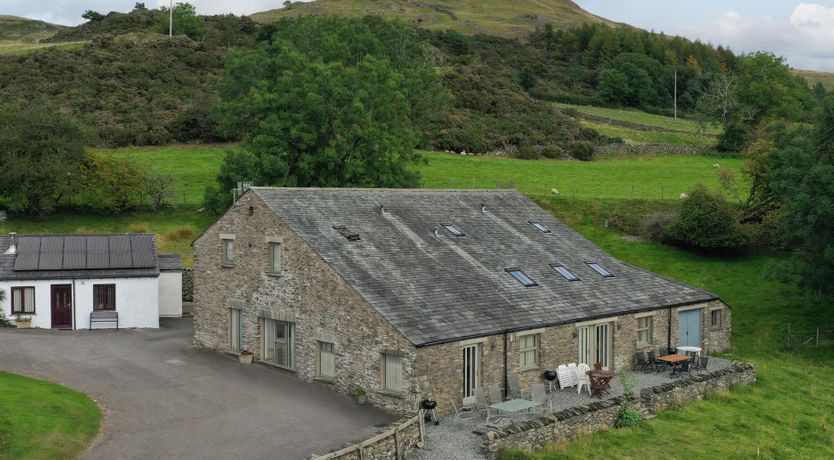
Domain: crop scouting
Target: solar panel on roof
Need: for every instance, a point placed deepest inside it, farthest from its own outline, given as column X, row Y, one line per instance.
column 142, row 250
column 75, row 257
column 51, row 253
column 28, row 253
column 98, row 252
column 120, row 256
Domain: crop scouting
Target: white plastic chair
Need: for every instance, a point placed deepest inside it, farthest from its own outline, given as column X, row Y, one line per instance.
column 573, row 372
column 584, row 380
column 565, row 379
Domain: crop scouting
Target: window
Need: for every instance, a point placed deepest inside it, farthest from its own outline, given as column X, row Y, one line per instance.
column 715, row 319
column 275, row 258
column 23, row 300
column 540, row 227
column 521, row 277
column 644, row 330
column 564, row 272
column 600, row 269
column 327, row 360
column 278, row 343
column 392, row 373
column 228, row 251
column 528, row 351
column 235, row 330
column 104, row 297
column 453, row 229
column 344, row 231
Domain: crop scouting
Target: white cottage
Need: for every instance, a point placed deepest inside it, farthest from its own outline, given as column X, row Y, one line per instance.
column 64, row 281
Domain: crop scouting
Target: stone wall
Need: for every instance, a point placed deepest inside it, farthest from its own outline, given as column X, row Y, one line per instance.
column 395, row 442
column 601, row 415
column 640, row 127
column 307, row 293
column 650, row 149
column 187, row 284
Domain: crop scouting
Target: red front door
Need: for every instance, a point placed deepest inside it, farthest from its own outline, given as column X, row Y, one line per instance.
column 62, row 306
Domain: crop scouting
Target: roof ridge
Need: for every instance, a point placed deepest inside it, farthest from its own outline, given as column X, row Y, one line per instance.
column 408, row 190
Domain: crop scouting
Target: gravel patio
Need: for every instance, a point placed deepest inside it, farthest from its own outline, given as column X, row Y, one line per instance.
column 461, row 440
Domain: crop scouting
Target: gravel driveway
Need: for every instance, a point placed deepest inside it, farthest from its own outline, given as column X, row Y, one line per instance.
column 164, row 398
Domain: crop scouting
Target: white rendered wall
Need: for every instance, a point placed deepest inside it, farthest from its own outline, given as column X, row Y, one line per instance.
column 170, row 294
column 137, row 301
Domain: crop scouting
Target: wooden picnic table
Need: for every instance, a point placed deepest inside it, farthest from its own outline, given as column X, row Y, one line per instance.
column 600, row 382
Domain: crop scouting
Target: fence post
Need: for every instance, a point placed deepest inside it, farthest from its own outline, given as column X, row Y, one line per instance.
column 473, row 183
column 789, row 336
column 632, row 191
column 818, row 337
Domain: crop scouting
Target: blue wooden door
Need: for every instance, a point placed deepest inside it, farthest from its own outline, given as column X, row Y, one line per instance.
column 690, row 328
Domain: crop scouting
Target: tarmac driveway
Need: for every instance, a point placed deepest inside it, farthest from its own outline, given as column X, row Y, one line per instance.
column 164, row 398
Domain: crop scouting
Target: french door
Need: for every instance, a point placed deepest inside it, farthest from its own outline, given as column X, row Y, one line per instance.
column 595, row 345
column 235, row 330
column 689, row 331
column 471, row 371
column 278, row 343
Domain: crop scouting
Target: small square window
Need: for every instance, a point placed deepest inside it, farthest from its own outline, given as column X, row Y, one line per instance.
column 644, row 331
column 567, row 274
column 528, row 351
column 600, row 269
column 521, row 277
column 539, row 226
column 104, row 297
column 715, row 319
column 453, row 229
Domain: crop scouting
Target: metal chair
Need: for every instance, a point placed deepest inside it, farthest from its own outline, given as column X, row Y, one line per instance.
column 639, row 361
column 495, row 395
column 681, row 367
column 539, row 397
column 481, row 404
column 515, row 388
column 701, row 363
column 462, row 413
column 652, row 361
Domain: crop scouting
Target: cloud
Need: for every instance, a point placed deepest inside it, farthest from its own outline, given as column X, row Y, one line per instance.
column 806, row 39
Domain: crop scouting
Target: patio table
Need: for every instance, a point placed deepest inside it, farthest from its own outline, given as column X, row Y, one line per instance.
column 512, row 406
column 696, row 350
column 604, row 378
column 671, row 360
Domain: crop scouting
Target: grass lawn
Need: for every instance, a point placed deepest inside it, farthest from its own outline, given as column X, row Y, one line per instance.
column 175, row 228
column 787, row 414
column 611, row 178
column 193, row 167
column 633, row 136
column 42, row 420
column 642, row 118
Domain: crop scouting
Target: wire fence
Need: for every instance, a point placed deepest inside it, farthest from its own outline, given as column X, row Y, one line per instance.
column 807, row 337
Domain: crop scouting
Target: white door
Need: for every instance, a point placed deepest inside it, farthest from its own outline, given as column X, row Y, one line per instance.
column 471, row 370
column 595, row 345
column 235, row 330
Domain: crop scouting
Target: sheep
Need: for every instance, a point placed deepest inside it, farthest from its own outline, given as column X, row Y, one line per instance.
column 716, row 165
column 554, row 191
column 684, row 196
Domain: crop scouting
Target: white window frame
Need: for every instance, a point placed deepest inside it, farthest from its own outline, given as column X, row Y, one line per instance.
column 235, row 330
column 276, row 257
column 228, row 252
column 392, row 372
column 327, row 360
column 528, row 355
column 648, row 329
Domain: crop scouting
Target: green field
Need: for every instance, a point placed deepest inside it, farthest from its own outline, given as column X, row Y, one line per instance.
column 494, row 17
column 42, row 420
column 786, row 414
column 643, row 118
column 15, row 47
column 814, row 77
column 635, row 136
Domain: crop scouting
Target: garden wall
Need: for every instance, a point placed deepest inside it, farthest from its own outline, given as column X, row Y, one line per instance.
column 395, row 442
column 639, row 127
column 650, row 149
column 187, row 284
column 601, row 415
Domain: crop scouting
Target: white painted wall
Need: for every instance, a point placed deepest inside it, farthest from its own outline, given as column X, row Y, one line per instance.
column 170, row 294
column 137, row 301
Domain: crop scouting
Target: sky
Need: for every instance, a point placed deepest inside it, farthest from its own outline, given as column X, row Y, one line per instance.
column 803, row 32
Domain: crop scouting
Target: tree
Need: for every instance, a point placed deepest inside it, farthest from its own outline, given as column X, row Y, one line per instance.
column 139, row 6
column 186, row 21
column 613, row 87
column 110, row 184
column 41, row 158
column 707, row 222
column 92, row 16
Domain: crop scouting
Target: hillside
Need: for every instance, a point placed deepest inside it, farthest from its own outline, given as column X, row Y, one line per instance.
column 16, row 29
column 494, row 17
column 814, row 77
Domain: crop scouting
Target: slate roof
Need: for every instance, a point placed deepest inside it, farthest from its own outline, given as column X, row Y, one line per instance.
column 170, row 262
column 442, row 288
column 39, row 257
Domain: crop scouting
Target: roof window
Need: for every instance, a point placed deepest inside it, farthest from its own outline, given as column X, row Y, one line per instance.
column 521, row 277
column 567, row 274
column 600, row 269
column 453, row 229
column 539, row 226
column 343, row 230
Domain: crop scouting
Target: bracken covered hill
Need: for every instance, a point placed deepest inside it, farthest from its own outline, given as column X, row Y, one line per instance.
column 515, row 18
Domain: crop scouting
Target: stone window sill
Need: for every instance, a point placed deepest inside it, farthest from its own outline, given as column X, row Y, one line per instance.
column 529, row 369
column 393, row 394
column 641, row 346
column 227, row 266
column 274, row 275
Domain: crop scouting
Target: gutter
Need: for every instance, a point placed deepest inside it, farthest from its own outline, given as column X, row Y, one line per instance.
column 506, row 375
column 74, row 307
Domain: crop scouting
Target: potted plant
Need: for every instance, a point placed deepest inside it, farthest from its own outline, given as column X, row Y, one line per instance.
column 361, row 394
column 23, row 322
column 246, row 356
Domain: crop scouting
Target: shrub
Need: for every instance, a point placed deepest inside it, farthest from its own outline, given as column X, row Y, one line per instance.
column 183, row 232
column 140, row 227
column 706, row 221
column 628, row 417
column 656, row 226
column 581, row 150
column 733, row 139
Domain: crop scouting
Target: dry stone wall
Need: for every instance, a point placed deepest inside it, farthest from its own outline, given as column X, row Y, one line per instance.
column 395, row 442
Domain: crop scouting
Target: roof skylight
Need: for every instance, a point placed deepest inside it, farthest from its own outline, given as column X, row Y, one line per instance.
column 521, row 277
column 539, row 226
column 453, row 229
column 344, row 231
column 600, row 269
column 567, row 274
